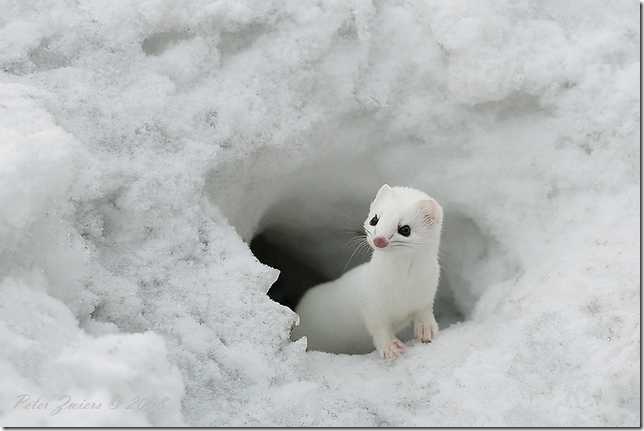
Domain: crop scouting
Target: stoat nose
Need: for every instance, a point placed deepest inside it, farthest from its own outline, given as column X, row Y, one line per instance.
column 380, row 242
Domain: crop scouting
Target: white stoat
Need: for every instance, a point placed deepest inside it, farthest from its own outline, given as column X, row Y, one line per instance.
column 370, row 304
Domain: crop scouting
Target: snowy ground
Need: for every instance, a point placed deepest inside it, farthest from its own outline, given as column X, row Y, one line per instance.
column 144, row 143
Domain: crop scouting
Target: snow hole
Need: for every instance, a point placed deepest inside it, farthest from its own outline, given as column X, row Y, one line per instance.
column 302, row 223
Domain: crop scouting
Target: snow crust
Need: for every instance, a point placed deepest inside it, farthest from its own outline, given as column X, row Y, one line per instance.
column 144, row 143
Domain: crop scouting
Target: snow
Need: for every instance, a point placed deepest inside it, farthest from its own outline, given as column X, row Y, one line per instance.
column 143, row 144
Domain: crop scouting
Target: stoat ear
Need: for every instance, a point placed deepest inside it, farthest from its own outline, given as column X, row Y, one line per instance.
column 383, row 191
column 432, row 211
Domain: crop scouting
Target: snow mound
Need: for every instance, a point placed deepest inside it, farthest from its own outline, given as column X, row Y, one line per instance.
column 144, row 145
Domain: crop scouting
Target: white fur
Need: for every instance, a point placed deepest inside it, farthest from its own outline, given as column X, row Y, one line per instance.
column 370, row 304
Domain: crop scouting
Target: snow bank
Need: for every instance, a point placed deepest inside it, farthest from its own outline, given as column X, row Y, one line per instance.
column 144, row 144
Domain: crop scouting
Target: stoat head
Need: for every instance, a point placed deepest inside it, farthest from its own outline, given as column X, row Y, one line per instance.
column 402, row 218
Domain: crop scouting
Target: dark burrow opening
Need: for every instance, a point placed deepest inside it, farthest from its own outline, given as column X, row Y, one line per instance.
column 303, row 266
column 296, row 276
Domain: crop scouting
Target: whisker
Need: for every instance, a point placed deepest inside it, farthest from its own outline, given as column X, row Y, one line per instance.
column 355, row 240
column 352, row 231
column 366, row 247
column 410, row 243
column 351, row 257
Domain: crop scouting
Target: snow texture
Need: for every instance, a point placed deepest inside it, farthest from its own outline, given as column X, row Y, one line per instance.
column 143, row 144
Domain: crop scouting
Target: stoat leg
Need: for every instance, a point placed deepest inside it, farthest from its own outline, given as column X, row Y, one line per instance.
column 394, row 349
column 425, row 326
column 387, row 344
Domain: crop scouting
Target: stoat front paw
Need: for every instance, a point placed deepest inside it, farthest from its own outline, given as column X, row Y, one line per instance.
column 425, row 332
column 394, row 349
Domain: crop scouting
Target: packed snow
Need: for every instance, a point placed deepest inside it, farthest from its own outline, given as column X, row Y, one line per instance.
column 144, row 144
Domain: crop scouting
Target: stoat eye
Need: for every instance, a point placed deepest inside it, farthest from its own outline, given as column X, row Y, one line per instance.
column 374, row 220
column 404, row 230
